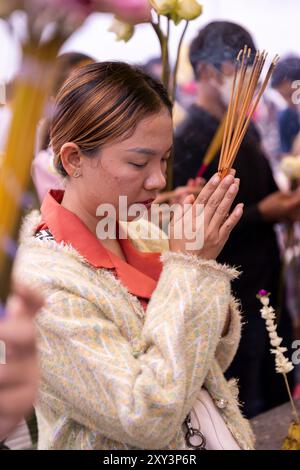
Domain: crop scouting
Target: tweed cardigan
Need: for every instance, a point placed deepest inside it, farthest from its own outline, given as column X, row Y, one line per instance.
column 114, row 376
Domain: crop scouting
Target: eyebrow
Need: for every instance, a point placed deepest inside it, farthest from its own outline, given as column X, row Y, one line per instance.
column 145, row 151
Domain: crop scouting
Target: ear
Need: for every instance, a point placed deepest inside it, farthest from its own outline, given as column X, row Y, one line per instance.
column 71, row 158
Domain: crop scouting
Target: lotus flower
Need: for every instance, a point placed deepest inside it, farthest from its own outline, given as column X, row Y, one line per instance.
column 178, row 9
column 133, row 11
column 123, row 31
column 187, row 10
column 130, row 11
column 164, row 7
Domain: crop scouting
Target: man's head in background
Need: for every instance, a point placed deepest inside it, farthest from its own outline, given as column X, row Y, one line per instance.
column 213, row 53
column 285, row 75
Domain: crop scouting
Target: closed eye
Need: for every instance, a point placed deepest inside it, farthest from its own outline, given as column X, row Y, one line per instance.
column 138, row 165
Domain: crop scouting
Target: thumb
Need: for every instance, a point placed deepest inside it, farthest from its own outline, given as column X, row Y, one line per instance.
column 181, row 208
column 24, row 301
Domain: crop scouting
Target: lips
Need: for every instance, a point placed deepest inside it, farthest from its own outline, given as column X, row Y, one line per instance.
column 147, row 203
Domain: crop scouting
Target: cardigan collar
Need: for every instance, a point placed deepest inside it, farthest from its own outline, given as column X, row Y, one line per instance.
column 139, row 273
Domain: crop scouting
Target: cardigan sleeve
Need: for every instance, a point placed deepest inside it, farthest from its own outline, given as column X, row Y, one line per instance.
column 92, row 375
column 228, row 345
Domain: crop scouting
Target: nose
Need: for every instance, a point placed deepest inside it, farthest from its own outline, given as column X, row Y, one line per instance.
column 156, row 181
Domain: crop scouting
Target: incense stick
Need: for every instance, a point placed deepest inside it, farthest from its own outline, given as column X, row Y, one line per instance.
column 243, row 104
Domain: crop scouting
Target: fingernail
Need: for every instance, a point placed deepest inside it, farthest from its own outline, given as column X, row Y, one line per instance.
column 229, row 179
column 237, row 180
column 216, row 180
column 239, row 209
column 233, row 188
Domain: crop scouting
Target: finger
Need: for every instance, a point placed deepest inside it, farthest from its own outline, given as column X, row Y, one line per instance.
column 228, row 184
column 187, row 203
column 231, row 222
column 208, row 189
column 181, row 208
column 182, row 191
column 17, row 401
column 19, row 337
column 199, row 180
column 18, row 371
column 195, row 190
column 24, row 301
column 222, row 211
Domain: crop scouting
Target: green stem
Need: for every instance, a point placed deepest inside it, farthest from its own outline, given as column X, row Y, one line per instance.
column 166, row 82
column 165, row 59
column 158, row 33
column 177, row 62
column 295, row 413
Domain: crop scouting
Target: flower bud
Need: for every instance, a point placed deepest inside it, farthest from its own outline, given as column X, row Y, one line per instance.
column 164, row 7
column 123, row 31
column 187, row 10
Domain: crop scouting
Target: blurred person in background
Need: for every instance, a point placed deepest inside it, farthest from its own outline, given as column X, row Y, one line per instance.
column 284, row 81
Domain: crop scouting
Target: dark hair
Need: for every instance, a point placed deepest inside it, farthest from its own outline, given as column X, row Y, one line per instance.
column 287, row 69
column 68, row 62
column 101, row 103
column 218, row 42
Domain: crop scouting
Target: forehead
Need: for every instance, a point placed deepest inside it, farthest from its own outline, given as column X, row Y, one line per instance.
column 153, row 129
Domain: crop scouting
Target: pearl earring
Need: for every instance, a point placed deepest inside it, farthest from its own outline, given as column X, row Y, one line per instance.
column 76, row 174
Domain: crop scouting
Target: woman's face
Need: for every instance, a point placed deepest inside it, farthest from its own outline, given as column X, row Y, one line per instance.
column 134, row 167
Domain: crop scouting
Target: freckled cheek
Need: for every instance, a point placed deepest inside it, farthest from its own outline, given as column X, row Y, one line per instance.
column 115, row 182
column 129, row 183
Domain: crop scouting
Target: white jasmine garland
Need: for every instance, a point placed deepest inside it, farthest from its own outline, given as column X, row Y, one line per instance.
column 282, row 364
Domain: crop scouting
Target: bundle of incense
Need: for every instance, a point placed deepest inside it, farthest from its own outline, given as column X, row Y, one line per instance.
column 243, row 103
